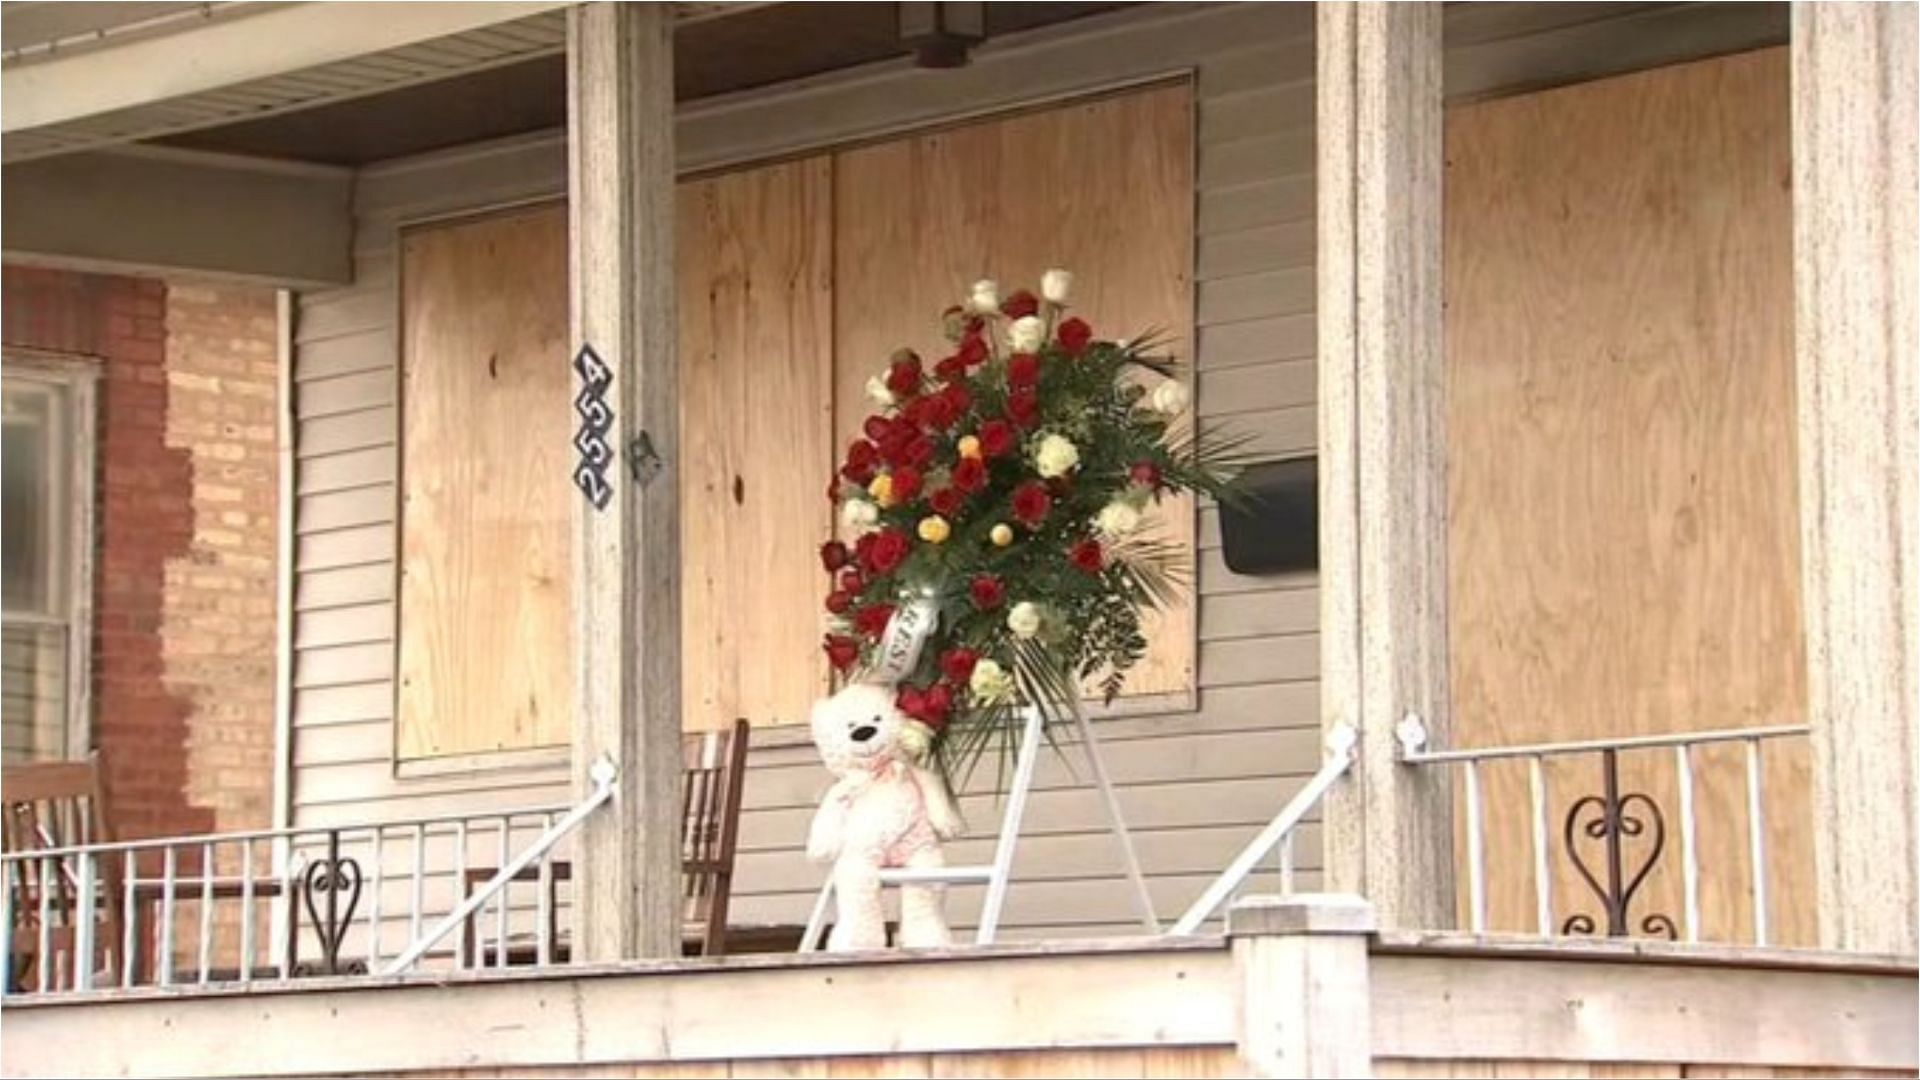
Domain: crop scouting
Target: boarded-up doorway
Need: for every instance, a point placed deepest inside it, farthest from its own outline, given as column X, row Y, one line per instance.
column 1624, row 533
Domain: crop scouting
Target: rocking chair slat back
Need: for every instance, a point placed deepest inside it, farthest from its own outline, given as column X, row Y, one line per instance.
column 714, row 775
column 50, row 805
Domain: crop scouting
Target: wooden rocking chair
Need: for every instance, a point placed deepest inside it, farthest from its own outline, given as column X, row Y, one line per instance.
column 712, row 780
column 53, row 805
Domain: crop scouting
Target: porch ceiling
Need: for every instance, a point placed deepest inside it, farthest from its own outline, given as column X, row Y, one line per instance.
column 294, row 80
column 77, row 81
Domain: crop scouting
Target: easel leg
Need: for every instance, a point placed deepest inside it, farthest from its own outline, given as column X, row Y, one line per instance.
column 1142, row 899
column 817, row 922
column 1010, row 829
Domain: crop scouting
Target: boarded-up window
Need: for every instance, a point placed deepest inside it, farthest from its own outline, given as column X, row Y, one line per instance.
column 796, row 281
column 485, row 606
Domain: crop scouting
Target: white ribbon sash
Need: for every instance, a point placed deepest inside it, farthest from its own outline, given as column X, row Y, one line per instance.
column 907, row 633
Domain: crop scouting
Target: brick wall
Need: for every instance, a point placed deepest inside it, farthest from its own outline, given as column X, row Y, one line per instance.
column 184, row 631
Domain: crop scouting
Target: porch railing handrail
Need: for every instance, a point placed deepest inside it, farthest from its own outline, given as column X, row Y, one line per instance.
column 1341, row 742
column 605, row 775
column 287, row 832
column 1413, row 740
column 1617, row 819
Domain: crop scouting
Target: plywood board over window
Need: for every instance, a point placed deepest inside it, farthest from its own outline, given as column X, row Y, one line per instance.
column 484, row 659
column 1624, row 535
column 756, row 415
column 1103, row 188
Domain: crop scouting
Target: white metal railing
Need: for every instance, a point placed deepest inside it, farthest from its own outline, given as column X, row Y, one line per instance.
column 1620, row 817
column 1340, row 745
column 189, row 909
column 604, row 773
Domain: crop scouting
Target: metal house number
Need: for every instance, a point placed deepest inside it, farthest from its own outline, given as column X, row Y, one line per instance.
column 596, row 419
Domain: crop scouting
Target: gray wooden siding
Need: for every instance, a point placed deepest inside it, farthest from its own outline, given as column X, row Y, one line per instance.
column 1195, row 785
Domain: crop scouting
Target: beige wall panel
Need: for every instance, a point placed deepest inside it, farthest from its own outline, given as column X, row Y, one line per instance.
column 484, row 605
column 1625, row 549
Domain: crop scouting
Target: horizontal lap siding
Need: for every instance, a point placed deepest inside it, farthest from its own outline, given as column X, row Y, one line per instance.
column 1195, row 785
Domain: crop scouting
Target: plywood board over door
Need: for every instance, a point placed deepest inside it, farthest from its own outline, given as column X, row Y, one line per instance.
column 1101, row 187
column 756, row 384
column 485, row 614
column 1624, row 544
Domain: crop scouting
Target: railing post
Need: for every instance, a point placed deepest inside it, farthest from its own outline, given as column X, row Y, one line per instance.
column 1858, row 399
column 1302, row 963
column 1383, row 438
column 626, row 567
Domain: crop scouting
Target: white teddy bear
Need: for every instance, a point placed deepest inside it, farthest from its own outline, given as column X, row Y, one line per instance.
column 886, row 810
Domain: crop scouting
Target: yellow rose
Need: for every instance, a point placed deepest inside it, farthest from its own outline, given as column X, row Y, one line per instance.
column 935, row 530
column 1001, row 535
column 882, row 490
column 969, row 447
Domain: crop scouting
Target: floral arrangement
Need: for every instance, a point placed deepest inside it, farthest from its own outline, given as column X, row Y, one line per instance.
column 996, row 502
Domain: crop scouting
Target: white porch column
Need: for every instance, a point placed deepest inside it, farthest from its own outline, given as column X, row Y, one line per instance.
column 627, row 547
column 1383, row 491
column 1855, row 230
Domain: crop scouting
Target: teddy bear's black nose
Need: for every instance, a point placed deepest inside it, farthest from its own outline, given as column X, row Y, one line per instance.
column 863, row 733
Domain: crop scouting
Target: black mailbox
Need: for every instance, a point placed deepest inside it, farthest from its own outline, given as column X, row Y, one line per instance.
column 1276, row 530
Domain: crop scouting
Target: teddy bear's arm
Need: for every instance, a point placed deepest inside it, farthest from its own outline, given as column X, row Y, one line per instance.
column 827, row 834
column 942, row 814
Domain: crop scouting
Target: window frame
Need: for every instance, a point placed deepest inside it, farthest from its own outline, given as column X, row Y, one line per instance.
column 78, row 376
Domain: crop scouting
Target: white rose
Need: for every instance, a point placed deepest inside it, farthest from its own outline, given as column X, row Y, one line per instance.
column 877, row 390
column 984, row 298
column 1171, row 398
column 1026, row 333
column 1056, row 456
column 1055, row 285
column 990, row 682
column 1024, row 619
column 859, row 515
column 1118, row 518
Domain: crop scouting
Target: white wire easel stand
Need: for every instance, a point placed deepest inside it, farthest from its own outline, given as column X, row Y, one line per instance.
column 997, row 874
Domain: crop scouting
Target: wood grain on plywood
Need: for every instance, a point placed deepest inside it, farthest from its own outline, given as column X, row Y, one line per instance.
column 917, row 219
column 484, row 571
column 756, row 371
column 1624, row 544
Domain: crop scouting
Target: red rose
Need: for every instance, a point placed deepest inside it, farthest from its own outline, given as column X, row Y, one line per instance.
column 972, row 349
column 987, row 592
column 957, row 665
column 1145, row 474
column 876, row 427
column 1074, row 335
column 850, row 579
column 838, row 602
column 833, row 555
column 861, row 458
column 906, row 484
column 833, row 489
column 958, row 399
column 911, row 700
column 996, row 438
column 1023, row 369
column 1086, row 556
column 889, row 550
column 1031, row 503
column 935, row 412
column 872, row 620
column 862, row 553
column 970, row 475
column 945, row 502
column 917, row 452
column 937, row 700
column 903, row 377
column 1023, row 407
column 950, row 370
column 842, row 651
column 1020, row 305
